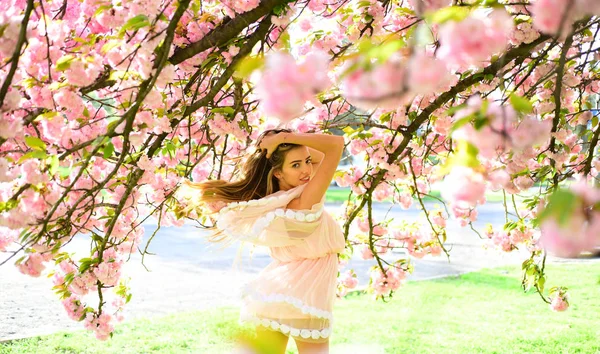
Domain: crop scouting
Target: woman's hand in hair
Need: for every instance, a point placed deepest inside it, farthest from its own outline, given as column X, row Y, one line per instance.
column 270, row 142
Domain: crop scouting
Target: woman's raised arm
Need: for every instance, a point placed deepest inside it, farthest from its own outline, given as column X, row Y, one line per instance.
column 331, row 146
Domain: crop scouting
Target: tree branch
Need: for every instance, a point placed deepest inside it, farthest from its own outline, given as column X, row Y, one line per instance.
column 17, row 53
column 492, row 69
column 223, row 33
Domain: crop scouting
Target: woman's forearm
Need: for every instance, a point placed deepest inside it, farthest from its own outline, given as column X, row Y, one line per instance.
column 321, row 142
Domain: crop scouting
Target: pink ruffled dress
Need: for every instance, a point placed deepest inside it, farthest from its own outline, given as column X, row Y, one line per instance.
column 295, row 293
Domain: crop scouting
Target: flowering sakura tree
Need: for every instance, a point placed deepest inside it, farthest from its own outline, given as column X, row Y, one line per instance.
column 107, row 106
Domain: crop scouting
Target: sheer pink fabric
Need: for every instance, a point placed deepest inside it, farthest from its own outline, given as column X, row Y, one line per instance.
column 295, row 293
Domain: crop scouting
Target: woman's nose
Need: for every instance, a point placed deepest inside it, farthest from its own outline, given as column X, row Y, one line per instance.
column 307, row 168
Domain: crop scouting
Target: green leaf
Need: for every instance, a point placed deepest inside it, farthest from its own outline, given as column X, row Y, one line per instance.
column 57, row 85
column 64, row 62
column 8, row 205
column 69, row 278
column 594, row 121
column 97, row 238
column 29, row 82
column 385, row 50
column 509, row 226
column 348, row 130
column 169, row 148
column 108, row 46
column 560, row 206
column 521, row 104
column 135, row 23
column 452, row 110
column 284, row 40
column 35, row 154
column 385, row 117
column 541, row 282
column 480, row 122
column 35, row 143
column 53, row 164
column 85, row 264
column 423, row 35
column 101, row 9
column 247, row 65
column 109, row 148
column 64, row 172
column 120, row 75
column 3, row 27
column 223, row 110
column 465, row 155
column 450, row 13
column 460, row 123
column 403, row 11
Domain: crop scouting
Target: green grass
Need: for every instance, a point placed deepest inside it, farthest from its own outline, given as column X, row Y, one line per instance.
column 481, row 312
column 337, row 195
column 340, row 195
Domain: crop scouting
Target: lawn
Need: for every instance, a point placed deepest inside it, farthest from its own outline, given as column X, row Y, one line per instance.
column 340, row 195
column 481, row 312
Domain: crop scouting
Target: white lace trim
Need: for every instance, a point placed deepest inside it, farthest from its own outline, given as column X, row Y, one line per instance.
column 285, row 329
column 294, row 301
column 227, row 214
column 254, row 202
column 263, row 222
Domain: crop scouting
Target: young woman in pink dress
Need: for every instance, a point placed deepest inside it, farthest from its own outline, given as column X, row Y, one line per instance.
column 277, row 201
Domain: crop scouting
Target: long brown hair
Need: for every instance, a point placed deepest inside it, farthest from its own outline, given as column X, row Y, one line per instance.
column 257, row 178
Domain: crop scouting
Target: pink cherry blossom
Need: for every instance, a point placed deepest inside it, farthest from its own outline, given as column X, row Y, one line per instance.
column 10, row 127
column 383, row 284
column 502, row 240
column 504, row 132
column 463, row 187
column 429, row 5
column 385, row 85
column 524, row 33
column 548, row 15
column 473, row 40
column 365, row 252
column 7, row 236
column 6, row 173
column 427, row 74
column 559, row 303
column 580, row 231
column 437, row 217
column 348, row 279
column 101, row 325
column 33, row 265
column 405, row 200
column 523, row 182
column 285, row 85
column 74, row 307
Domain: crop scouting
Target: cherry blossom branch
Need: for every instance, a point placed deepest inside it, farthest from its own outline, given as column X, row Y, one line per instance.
column 420, row 199
column 492, row 69
column 17, row 53
column 225, row 32
column 591, row 152
column 558, row 88
column 371, row 242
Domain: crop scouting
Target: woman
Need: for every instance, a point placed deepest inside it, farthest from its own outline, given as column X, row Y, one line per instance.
column 278, row 202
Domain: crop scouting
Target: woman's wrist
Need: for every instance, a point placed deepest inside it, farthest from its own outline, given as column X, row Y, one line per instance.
column 282, row 137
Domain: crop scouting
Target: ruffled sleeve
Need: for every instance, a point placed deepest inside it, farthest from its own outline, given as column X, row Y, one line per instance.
column 266, row 222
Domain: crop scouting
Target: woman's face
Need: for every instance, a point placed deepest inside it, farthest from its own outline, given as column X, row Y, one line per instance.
column 297, row 168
